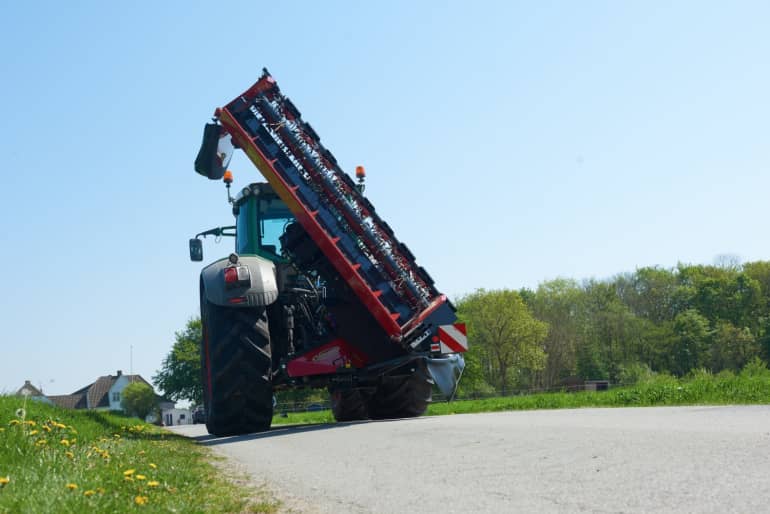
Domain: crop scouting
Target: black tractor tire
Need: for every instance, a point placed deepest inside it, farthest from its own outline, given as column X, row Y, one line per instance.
column 349, row 404
column 403, row 395
column 237, row 369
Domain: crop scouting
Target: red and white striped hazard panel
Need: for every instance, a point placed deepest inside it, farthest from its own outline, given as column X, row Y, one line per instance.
column 452, row 338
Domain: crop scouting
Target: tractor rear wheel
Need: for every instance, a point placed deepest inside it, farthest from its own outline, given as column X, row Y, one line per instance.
column 237, row 369
column 403, row 395
column 348, row 404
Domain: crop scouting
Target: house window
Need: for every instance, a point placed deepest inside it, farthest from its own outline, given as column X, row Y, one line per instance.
column 115, row 397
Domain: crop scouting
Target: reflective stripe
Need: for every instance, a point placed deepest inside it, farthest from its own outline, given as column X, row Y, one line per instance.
column 452, row 338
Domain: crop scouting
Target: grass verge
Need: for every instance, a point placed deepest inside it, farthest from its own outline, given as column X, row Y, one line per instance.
column 751, row 386
column 58, row 460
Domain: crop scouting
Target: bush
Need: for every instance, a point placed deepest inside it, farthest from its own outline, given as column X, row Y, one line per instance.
column 755, row 368
column 635, row 373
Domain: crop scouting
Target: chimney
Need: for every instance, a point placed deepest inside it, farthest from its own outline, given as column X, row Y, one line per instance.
column 27, row 383
column 120, row 372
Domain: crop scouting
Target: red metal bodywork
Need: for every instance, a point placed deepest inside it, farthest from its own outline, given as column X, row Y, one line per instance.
column 327, row 359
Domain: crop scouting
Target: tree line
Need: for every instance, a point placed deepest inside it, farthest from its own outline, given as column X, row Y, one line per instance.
column 676, row 320
column 652, row 320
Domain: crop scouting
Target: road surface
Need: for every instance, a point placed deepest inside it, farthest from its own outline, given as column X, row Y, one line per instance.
column 668, row 459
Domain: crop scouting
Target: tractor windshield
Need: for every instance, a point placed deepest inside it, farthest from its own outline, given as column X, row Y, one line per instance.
column 273, row 217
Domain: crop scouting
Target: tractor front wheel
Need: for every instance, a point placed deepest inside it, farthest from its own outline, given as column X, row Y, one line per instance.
column 404, row 395
column 348, row 404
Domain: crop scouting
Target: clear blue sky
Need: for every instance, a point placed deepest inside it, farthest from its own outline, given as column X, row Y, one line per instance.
column 507, row 143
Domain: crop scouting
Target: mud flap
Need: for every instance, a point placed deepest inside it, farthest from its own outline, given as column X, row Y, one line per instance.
column 446, row 372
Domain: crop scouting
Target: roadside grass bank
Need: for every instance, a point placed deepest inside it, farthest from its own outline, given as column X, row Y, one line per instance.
column 58, row 460
column 750, row 386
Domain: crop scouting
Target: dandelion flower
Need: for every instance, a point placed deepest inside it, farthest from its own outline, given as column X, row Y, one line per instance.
column 64, row 442
column 72, row 486
column 153, row 466
column 59, row 425
column 33, row 432
column 141, row 452
column 128, row 479
column 14, row 422
column 141, row 500
column 141, row 477
column 30, row 423
column 46, row 428
column 41, row 442
column 129, row 472
column 69, row 455
column 153, row 483
column 90, row 492
column 4, row 480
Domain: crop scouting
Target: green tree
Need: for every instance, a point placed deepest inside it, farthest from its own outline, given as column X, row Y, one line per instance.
column 138, row 399
column 509, row 338
column 180, row 375
column 691, row 345
column 732, row 347
column 560, row 303
column 614, row 334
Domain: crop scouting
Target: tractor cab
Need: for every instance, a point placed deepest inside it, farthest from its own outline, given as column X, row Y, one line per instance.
column 261, row 219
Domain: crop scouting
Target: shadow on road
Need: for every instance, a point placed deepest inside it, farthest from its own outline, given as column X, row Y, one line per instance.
column 279, row 431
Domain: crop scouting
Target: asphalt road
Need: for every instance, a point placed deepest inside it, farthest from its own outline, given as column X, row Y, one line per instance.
column 675, row 459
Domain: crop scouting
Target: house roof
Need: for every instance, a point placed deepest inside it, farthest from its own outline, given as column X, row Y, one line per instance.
column 69, row 401
column 98, row 392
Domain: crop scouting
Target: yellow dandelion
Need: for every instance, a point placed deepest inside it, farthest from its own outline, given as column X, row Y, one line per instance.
column 90, row 492
column 41, row 442
column 129, row 472
column 153, row 483
column 4, row 480
column 33, row 432
column 100, row 490
column 141, row 452
column 64, row 442
column 116, row 436
column 153, row 466
column 72, row 486
column 46, row 428
column 141, row 500
column 103, row 439
column 30, row 423
column 14, row 422
column 141, row 477
column 59, row 425
column 69, row 455
column 128, row 479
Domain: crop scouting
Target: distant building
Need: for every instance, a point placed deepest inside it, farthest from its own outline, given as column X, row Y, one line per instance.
column 103, row 394
column 32, row 392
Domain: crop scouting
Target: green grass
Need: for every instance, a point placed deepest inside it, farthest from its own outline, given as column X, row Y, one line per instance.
column 752, row 386
column 58, row 460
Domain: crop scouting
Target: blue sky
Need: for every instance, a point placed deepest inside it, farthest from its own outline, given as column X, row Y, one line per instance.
column 506, row 143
